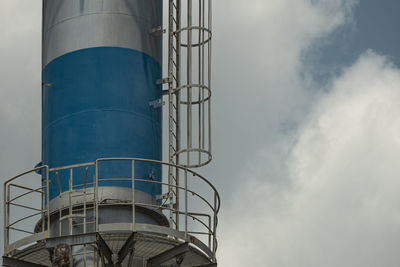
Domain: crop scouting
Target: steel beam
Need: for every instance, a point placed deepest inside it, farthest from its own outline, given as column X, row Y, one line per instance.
column 126, row 248
column 11, row 262
column 169, row 254
column 105, row 250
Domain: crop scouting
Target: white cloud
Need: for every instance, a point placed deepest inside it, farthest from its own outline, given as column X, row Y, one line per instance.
column 257, row 85
column 341, row 208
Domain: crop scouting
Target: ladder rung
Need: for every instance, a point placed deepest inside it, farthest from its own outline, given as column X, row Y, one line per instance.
column 173, row 177
column 176, row 22
column 173, row 119
column 171, row 115
column 173, row 4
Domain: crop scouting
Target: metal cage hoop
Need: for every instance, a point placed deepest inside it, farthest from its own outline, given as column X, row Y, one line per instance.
column 201, row 30
column 203, row 153
column 203, row 98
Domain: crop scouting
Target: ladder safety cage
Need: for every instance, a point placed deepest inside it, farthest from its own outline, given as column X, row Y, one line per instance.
column 189, row 92
column 189, row 77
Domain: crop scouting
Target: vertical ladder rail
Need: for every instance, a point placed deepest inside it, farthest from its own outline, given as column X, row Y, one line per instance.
column 170, row 105
column 174, row 56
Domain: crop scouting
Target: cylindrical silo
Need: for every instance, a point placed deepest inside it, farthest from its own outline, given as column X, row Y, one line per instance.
column 98, row 200
column 102, row 63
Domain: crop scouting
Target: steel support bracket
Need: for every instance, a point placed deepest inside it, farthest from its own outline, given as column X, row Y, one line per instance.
column 45, row 84
column 169, row 254
column 128, row 247
column 165, row 92
column 156, row 103
column 157, row 31
column 105, row 250
column 161, row 82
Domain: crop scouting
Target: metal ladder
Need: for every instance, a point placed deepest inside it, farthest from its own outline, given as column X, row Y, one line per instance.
column 174, row 107
column 189, row 92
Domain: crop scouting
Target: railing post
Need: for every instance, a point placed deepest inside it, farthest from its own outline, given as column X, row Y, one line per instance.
column 170, row 197
column 48, row 200
column 70, row 200
column 209, row 232
column 43, row 208
column 186, row 204
column 215, row 228
column 133, row 198
column 96, row 195
column 6, row 217
column 177, row 198
column 59, row 204
column 84, row 200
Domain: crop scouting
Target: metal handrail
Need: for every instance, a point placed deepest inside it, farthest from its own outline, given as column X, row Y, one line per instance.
column 25, row 173
column 139, row 160
column 24, row 218
column 175, row 186
column 93, row 200
column 8, row 201
column 26, row 193
column 23, row 206
column 172, row 165
column 72, row 166
column 20, row 230
column 186, row 170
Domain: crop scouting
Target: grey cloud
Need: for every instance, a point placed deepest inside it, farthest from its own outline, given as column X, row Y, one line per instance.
column 340, row 208
column 20, row 122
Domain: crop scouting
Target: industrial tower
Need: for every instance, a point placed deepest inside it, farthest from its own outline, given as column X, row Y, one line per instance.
column 102, row 196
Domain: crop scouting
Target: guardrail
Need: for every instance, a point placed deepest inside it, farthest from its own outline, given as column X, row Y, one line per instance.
column 190, row 198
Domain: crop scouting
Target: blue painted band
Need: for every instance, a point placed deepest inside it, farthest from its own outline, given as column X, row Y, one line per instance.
column 97, row 106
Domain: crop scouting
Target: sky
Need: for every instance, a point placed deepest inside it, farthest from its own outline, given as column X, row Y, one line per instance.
column 306, row 126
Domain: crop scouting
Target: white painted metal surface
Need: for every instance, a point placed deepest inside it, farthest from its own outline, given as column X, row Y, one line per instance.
column 73, row 25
